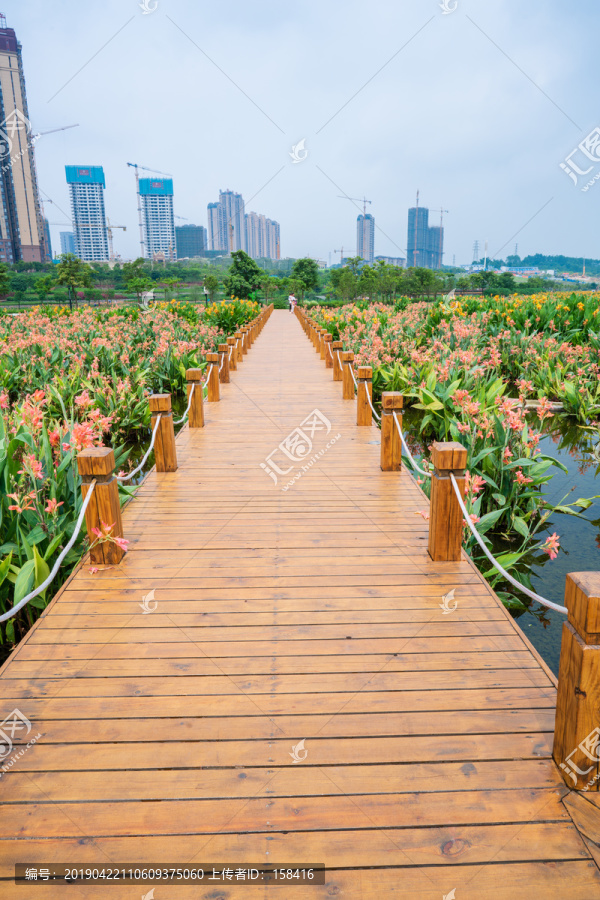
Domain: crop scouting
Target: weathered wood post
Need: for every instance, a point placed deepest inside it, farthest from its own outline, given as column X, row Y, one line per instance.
column 224, row 363
column 232, row 354
column 194, row 377
column 446, row 518
column 336, row 349
column 577, row 729
column 364, row 415
column 328, row 353
column 165, row 454
column 239, row 353
column 322, row 345
column 244, row 340
column 391, row 445
column 99, row 463
column 347, row 380
column 213, row 395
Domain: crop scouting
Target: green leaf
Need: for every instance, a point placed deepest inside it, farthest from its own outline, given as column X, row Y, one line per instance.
column 24, row 581
column 520, row 526
column 490, row 519
column 4, row 567
column 42, row 569
column 53, row 545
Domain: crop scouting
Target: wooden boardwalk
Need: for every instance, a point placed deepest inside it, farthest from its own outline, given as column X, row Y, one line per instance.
column 309, row 614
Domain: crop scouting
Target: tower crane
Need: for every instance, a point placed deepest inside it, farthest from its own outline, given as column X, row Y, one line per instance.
column 341, row 252
column 362, row 200
column 109, row 231
column 136, row 166
column 441, row 246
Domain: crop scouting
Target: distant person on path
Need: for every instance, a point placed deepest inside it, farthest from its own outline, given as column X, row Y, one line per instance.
column 293, row 302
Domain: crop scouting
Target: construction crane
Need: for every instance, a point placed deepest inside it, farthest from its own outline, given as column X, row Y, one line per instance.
column 183, row 218
column 53, row 130
column 137, row 185
column 109, row 231
column 362, row 200
column 341, row 252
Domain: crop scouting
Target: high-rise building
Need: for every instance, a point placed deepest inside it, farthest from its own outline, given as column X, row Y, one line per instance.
column 21, row 221
column 232, row 221
column 262, row 237
column 190, row 240
column 365, row 238
column 158, row 221
column 67, row 242
column 214, row 229
column 47, row 242
column 425, row 247
column 86, row 186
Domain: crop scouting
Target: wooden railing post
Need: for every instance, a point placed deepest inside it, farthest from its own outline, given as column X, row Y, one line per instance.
column 224, row 363
column 99, row 463
column 347, row 380
column 391, row 445
column 213, row 395
column 238, row 351
column 196, row 417
column 245, row 339
column 577, row 729
column 165, row 453
column 328, row 352
column 445, row 517
column 364, row 416
column 322, row 345
column 336, row 349
column 232, row 354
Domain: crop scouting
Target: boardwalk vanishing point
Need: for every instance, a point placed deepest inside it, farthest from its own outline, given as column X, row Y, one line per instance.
column 293, row 690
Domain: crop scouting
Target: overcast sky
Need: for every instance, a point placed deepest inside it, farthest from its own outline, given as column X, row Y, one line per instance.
column 476, row 108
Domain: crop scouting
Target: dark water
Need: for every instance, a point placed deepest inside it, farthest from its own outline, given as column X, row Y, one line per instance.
column 579, row 538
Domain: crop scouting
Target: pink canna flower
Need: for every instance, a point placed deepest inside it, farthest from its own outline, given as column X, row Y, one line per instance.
column 552, row 545
column 52, row 505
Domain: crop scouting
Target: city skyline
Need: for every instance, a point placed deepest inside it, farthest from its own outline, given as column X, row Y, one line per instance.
column 230, row 228
column 97, row 71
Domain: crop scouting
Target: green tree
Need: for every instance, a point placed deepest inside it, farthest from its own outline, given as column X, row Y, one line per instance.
column 43, row 287
column 133, row 269
column 139, row 285
column 244, row 276
column 74, row 274
column 4, row 280
column 211, row 283
column 344, row 283
column 306, row 271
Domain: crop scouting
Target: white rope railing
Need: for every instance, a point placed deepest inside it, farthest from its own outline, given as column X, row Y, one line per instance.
column 185, row 415
column 147, row 454
column 230, row 352
column 407, row 451
column 502, row 571
column 205, row 385
column 42, row 587
column 378, row 417
column 329, row 348
column 338, row 358
column 222, row 361
column 353, row 376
